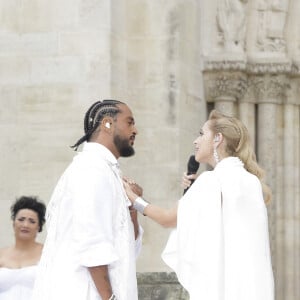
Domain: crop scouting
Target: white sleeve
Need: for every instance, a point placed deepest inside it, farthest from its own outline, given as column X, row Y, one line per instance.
column 93, row 216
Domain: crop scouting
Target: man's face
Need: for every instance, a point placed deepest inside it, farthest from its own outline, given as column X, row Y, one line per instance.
column 125, row 131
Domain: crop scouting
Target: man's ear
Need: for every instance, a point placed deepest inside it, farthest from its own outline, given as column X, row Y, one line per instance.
column 106, row 123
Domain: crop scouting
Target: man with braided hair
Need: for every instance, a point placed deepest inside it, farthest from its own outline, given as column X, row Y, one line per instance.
column 93, row 233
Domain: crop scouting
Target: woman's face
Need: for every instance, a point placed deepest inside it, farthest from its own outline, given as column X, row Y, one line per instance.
column 26, row 224
column 204, row 145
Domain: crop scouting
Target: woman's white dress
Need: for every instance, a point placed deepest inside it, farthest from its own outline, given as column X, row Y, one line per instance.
column 17, row 284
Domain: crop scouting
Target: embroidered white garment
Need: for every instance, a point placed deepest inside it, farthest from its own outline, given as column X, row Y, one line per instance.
column 16, row 284
column 88, row 225
column 220, row 249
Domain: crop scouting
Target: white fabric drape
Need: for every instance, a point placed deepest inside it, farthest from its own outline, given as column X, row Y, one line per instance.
column 220, row 248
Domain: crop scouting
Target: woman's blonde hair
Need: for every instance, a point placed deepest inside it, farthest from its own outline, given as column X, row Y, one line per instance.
column 238, row 144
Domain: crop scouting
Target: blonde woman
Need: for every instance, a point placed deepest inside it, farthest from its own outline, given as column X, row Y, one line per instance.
column 219, row 248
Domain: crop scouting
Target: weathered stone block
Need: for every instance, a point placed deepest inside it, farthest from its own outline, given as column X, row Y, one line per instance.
column 160, row 286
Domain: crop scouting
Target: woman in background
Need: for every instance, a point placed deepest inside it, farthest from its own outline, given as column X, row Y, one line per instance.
column 220, row 247
column 18, row 262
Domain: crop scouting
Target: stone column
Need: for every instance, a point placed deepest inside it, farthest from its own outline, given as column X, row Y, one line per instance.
column 289, row 197
column 246, row 113
column 247, row 110
column 278, row 197
column 293, row 41
column 291, row 193
column 270, row 90
column 297, row 198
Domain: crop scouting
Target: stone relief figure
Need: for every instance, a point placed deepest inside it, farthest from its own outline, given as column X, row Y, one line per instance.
column 231, row 20
column 272, row 16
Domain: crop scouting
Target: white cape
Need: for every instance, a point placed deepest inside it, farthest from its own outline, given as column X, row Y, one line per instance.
column 220, row 249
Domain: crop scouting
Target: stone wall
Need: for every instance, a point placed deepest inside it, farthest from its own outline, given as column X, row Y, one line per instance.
column 171, row 61
column 54, row 62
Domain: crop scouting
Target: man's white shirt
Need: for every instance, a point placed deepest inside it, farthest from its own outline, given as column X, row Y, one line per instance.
column 88, row 224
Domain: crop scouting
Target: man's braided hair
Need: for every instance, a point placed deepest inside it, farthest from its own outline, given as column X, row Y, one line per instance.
column 95, row 115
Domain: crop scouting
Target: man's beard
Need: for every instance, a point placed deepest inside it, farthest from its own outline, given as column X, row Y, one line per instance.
column 123, row 146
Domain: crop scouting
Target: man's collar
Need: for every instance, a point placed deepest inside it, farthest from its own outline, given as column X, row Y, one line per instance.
column 101, row 150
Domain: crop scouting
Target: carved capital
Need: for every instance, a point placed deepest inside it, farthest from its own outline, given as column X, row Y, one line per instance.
column 250, row 93
column 224, row 86
column 293, row 92
column 270, row 88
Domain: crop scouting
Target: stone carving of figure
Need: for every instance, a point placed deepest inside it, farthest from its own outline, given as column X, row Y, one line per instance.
column 231, row 20
column 271, row 23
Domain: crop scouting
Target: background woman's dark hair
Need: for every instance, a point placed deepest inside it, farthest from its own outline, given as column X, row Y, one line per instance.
column 32, row 203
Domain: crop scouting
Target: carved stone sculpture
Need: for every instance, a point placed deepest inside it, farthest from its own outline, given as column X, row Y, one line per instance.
column 231, row 19
column 271, row 24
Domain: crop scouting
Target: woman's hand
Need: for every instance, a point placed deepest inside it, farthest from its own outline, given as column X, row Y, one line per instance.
column 187, row 180
column 132, row 189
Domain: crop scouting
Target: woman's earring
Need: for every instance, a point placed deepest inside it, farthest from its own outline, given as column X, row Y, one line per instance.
column 216, row 156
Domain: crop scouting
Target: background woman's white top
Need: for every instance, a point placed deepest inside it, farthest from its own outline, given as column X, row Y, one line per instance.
column 17, row 284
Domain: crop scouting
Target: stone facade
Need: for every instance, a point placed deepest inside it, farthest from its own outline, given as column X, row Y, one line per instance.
column 255, row 76
column 171, row 61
